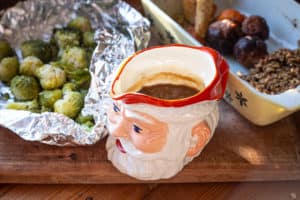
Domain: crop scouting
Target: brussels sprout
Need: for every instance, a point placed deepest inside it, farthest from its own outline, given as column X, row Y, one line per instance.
column 29, row 65
column 9, row 68
column 47, row 98
column 32, row 106
column 51, row 77
column 74, row 58
column 81, row 77
column 87, row 122
column 88, row 39
column 70, row 105
column 66, row 37
column 37, row 48
column 68, row 87
column 81, row 23
column 46, row 109
column 5, row 49
column 81, row 119
column 24, row 87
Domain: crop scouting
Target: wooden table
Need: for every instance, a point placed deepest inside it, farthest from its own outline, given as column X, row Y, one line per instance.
column 239, row 151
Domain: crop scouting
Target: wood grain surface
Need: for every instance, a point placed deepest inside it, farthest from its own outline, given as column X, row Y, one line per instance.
column 205, row 191
column 239, row 151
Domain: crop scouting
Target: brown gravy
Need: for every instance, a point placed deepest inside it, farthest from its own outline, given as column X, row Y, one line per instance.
column 169, row 91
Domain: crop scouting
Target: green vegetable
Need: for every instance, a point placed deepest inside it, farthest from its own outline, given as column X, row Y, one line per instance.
column 80, row 77
column 66, row 37
column 81, row 119
column 47, row 98
column 51, row 77
column 70, row 105
column 69, row 87
column 29, row 65
column 74, row 58
column 9, row 68
column 81, row 23
column 24, row 87
column 37, row 48
column 5, row 49
column 46, row 109
column 31, row 106
column 88, row 40
column 87, row 122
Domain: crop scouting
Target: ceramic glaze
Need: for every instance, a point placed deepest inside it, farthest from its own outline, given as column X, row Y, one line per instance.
column 152, row 138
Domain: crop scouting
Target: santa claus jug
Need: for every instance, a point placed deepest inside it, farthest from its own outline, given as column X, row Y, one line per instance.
column 164, row 109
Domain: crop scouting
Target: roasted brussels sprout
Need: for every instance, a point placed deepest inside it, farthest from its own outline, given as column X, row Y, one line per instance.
column 70, row 105
column 249, row 50
column 81, row 23
column 32, row 106
column 81, row 77
column 9, row 68
column 37, row 48
column 74, row 58
column 88, row 40
column 24, row 87
column 69, row 87
column 222, row 35
column 87, row 122
column 47, row 98
column 5, row 49
column 256, row 26
column 29, row 65
column 66, row 37
column 51, row 77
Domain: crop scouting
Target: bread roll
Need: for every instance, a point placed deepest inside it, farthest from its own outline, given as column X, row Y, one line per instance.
column 189, row 10
column 204, row 13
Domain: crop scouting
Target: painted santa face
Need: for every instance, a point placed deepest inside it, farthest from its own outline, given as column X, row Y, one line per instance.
column 166, row 145
column 146, row 133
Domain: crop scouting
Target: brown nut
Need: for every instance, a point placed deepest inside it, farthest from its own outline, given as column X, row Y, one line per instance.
column 222, row 35
column 256, row 26
column 231, row 14
column 249, row 50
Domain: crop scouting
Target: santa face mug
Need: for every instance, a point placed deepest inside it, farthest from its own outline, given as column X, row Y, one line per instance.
column 164, row 109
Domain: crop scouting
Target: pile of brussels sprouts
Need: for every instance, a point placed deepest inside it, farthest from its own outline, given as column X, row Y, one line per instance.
column 52, row 76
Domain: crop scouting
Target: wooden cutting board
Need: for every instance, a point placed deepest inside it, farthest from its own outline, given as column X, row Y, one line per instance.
column 239, row 151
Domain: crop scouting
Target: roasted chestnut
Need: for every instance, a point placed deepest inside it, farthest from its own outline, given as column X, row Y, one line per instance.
column 231, row 14
column 249, row 50
column 256, row 26
column 222, row 35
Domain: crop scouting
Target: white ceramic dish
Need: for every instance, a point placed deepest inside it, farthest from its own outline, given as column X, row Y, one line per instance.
column 283, row 17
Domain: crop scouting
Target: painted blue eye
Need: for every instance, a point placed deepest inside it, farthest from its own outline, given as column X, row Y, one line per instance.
column 137, row 129
column 116, row 108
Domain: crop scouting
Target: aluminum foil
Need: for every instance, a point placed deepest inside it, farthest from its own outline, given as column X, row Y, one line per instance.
column 120, row 31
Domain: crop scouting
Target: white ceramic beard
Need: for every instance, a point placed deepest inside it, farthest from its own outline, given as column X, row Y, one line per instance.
column 172, row 158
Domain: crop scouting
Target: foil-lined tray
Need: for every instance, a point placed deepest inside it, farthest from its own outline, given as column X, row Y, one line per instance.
column 120, row 31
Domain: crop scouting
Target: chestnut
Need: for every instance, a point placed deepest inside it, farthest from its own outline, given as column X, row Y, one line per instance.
column 231, row 14
column 256, row 26
column 222, row 35
column 249, row 50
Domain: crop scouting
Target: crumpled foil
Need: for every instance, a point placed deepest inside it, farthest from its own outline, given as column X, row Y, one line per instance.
column 120, row 31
